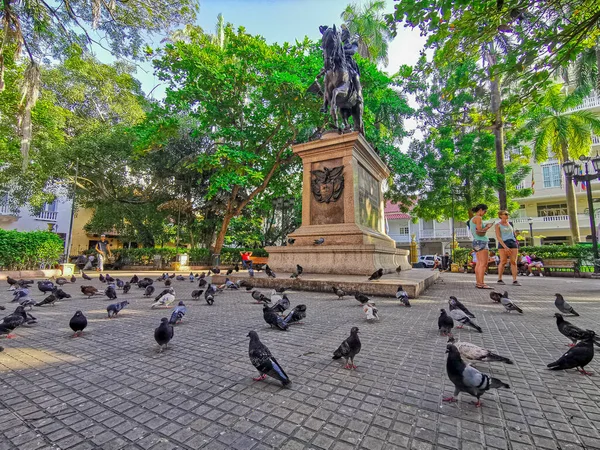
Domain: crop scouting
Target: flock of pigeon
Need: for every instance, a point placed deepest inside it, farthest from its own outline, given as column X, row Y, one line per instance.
column 278, row 314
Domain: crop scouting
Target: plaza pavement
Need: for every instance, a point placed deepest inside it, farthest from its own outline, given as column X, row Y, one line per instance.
column 110, row 388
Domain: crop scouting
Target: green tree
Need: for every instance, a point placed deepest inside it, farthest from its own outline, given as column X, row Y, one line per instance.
column 567, row 134
column 368, row 23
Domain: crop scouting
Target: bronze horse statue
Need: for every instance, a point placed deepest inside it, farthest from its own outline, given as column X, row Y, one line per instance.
column 342, row 89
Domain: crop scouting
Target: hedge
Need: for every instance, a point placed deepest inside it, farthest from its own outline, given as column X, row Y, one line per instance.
column 582, row 252
column 197, row 256
column 27, row 250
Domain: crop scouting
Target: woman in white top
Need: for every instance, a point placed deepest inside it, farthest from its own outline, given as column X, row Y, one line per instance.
column 508, row 247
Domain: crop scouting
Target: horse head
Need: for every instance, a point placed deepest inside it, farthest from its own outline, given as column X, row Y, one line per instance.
column 331, row 44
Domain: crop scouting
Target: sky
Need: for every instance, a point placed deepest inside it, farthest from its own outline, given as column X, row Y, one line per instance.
column 288, row 20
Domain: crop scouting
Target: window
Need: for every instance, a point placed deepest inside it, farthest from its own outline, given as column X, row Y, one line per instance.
column 428, row 224
column 50, row 207
column 559, row 209
column 404, row 230
column 551, row 173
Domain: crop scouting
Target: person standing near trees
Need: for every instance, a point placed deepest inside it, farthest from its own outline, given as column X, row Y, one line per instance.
column 102, row 247
column 246, row 261
column 480, row 243
column 508, row 247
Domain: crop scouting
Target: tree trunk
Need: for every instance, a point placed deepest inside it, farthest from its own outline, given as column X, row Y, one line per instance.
column 571, row 203
column 222, row 232
column 496, row 101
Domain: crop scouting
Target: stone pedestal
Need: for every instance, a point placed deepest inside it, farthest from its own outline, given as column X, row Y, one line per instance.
column 342, row 202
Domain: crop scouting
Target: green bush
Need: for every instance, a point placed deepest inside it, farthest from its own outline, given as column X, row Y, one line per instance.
column 461, row 255
column 28, row 250
column 582, row 252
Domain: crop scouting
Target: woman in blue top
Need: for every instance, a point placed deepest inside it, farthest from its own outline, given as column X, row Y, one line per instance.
column 480, row 243
column 508, row 247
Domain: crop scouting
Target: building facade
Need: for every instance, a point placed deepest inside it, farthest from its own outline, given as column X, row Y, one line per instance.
column 55, row 216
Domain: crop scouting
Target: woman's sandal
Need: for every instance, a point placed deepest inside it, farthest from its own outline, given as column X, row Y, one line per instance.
column 482, row 286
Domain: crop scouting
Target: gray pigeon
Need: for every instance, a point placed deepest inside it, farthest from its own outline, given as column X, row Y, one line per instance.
column 508, row 304
column 319, row 241
column 273, row 319
column 265, row 362
column 402, row 296
column 468, row 379
column 338, row 292
column 563, row 306
column 349, row 349
column 281, row 305
column 454, row 303
column 463, row 319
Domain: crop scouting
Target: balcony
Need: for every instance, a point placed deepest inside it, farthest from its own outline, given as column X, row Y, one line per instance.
column 7, row 215
column 591, row 101
column 551, row 222
column 47, row 216
column 401, row 238
column 429, row 235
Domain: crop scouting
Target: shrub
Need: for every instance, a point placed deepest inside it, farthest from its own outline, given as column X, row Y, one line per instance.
column 27, row 250
column 461, row 255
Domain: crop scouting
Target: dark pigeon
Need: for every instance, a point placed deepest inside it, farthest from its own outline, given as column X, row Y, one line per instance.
column 120, row 283
column 202, row 282
column 281, row 305
column 61, row 281
column 495, row 296
column 273, row 319
column 101, row 278
column 164, row 333
column 445, row 323
column 149, row 291
column 269, row 272
column 197, row 293
column 47, row 301
column 572, row 332
column 85, row 276
column 454, row 303
column 60, row 294
column 376, row 275
column 319, row 241
column 577, row 357
column 297, row 272
column 134, row 279
column 126, row 287
column 78, row 323
column 468, row 379
column 45, row 286
column 296, row 314
column 349, row 349
column 362, row 298
column 265, row 362
column 338, row 292
column 73, row 279
column 563, row 306
column 89, row 291
column 111, row 292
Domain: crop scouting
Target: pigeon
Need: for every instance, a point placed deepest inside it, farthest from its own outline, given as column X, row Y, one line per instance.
column 202, row 275
column 167, row 282
column 508, row 304
column 2, row 308
column 149, row 291
column 319, row 241
column 89, row 291
column 202, row 282
column 371, row 311
column 273, row 319
column 454, row 303
column 281, row 290
column 445, row 323
column 78, row 323
column 563, row 306
column 45, row 286
column 191, row 277
column 398, row 269
column 209, row 298
column 265, row 362
column 101, row 278
column 215, row 270
column 114, row 308
column 463, row 319
column 577, row 357
column 338, row 292
column 297, row 272
column 73, row 279
column 362, row 298
column 6, row 329
column 229, row 272
column 376, row 275
column 260, row 298
column 495, row 296
column 296, row 314
column 60, row 294
column 143, row 284
column 25, row 302
column 402, row 296
column 18, row 318
column 109, row 279
column 164, row 301
column 251, row 272
column 230, row 284
column 120, row 283
column 180, row 278
column 164, row 292
column 111, row 292
column 269, row 272
column 467, row 378
column 126, row 287
column 85, row 276
column 164, row 333
column 61, row 281
column 19, row 294
column 11, row 281
column 47, row 301
column 281, row 305
column 472, row 352
column 134, row 279
column 572, row 332
column 291, row 241
column 349, row 349
column 178, row 313
column 197, row 293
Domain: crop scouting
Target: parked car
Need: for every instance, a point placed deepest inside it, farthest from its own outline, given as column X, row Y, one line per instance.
column 427, row 260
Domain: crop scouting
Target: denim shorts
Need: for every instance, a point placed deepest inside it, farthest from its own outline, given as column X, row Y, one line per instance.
column 479, row 245
column 510, row 243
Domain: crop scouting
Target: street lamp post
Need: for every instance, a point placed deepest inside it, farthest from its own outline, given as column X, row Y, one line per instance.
column 530, row 220
column 571, row 168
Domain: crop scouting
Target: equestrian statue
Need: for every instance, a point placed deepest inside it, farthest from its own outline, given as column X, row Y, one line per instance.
column 341, row 90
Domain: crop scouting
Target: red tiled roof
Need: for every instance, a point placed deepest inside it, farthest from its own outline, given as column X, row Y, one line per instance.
column 397, row 215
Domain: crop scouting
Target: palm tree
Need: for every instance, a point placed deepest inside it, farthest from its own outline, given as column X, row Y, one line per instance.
column 370, row 26
column 567, row 134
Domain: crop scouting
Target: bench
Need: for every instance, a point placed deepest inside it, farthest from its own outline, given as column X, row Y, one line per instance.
column 259, row 261
column 561, row 265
